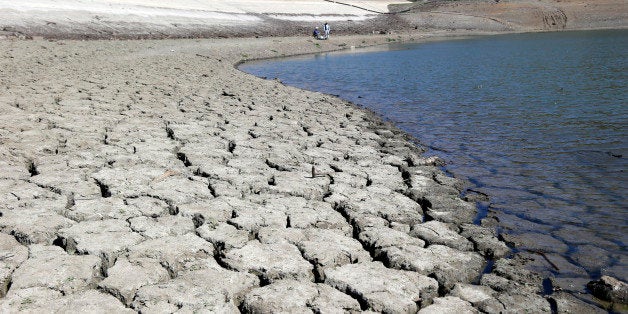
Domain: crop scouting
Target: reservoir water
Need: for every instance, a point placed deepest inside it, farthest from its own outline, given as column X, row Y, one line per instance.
column 538, row 122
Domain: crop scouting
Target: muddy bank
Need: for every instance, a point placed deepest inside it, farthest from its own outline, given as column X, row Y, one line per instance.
column 136, row 175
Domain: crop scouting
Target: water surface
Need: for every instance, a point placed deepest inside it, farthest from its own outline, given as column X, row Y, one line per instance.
column 536, row 121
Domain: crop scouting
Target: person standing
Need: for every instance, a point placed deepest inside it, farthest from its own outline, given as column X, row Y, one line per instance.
column 326, row 29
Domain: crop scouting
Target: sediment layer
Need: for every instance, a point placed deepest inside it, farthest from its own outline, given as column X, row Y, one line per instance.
column 153, row 176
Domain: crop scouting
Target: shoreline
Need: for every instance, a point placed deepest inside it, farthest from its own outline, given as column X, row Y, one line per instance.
column 111, row 169
column 116, row 152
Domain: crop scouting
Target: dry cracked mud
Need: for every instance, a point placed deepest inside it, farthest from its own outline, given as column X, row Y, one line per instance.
column 153, row 176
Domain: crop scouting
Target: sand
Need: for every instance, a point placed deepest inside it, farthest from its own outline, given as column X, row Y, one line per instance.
column 153, row 176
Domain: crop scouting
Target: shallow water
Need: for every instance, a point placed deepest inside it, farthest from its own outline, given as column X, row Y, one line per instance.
column 536, row 121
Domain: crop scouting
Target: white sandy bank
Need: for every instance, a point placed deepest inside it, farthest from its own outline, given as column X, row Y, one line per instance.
column 218, row 10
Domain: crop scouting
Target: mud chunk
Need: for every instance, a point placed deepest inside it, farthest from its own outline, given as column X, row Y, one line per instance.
column 173, row 252
column 33, row 225
column 298, row 296
column 535, row 242
column 472, row 293
column 51, row 267
column 449, row 304
column 435, row 232
column 567, row 303
column 485, row 241
column 103, row 238
column 224, row 236
column 12, row 255
column 270, row 262
column 609, row 289
column 208, row 290
column 101, row 208
column 382, row 289
column 448, row 265
column 153, row 228
column 125, row 277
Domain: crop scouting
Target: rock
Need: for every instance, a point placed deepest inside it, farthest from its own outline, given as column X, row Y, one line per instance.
column 515, row 302
column 435, row 232
column 547, row 264
column 591, row 257
column 365, row 222
column 66, row 181
column 497, row 283
column 101, row 208
column 485, row 241
column 30, row 226
column 51, row 267
column 567, row 303
column 448, row 304
column 304, row 214
column 326, row 248
column 386, row 175
column 299, row 184
column 213, row 211
column 152, row 228
column 491, row 305
column 149, row 206
column 12, row 255
column 180, row 190
column 126, row 277
column 451, row 210
column 30, row 300
column 206, row 290
column 376, row 201
column 571, row 284
column 513, row 270
column 609, row 289
column 290, row 296
column 473, row 294
column 224, row 236
column 90, row 301
column 582, row 236
column 272, row 235
column 253, row 218
column 378, row 240
column 104, row 238
column 173, row 252
column 535, row 242
column 449, row 266
column 270, row 262
column 512, row 222
column 383, row 289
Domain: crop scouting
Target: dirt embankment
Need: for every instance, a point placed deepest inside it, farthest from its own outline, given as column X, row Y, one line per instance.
column 282, row 20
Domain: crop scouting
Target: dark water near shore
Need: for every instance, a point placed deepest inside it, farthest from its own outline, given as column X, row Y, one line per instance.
column 536, row 121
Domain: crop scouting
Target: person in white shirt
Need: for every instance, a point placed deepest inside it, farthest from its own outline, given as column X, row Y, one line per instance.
column 326, row 29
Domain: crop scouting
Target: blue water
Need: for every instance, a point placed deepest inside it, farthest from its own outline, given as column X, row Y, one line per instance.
column 536, row 121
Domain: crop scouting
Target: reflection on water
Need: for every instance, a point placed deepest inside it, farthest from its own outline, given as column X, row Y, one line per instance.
column 536, row 121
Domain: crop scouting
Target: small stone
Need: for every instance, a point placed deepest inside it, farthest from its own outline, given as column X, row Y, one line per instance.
column 12, row 255
column 449, row 304
column 271, row 262
column 104, row 238
column 51, row 267
column 435, row 232
column 383, row 289
column 126, row 277
column 290, row 296
column 567, row 303
column 609, row 289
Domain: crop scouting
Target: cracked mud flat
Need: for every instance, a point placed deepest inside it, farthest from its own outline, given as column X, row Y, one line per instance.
column 153, row 176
